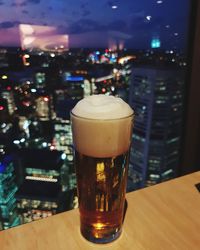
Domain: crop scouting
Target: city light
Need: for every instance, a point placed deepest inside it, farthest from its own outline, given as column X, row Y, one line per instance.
column 1, row 108
column 63, row 156
column 33, row 90
column 16, row 142
column 155, row 43
column 4, row 77
column 26, row 56
column 46, row 99
column 159, row 2
column 35, row 178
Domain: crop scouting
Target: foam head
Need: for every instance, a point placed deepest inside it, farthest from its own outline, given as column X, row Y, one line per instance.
column 102, row 126
column 102, row 107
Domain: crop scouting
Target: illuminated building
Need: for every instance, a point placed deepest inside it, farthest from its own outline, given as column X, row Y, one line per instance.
column 8, row 95
column 40, row 80
column 3, row 58
column 4, row 113
column 42, row 192
column 63, row 142
column 44, row 108
column 74, row 86
column 8, row 212
column 156, row 95
column 155, row 43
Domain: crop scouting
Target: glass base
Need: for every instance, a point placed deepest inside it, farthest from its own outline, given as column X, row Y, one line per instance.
column 101, row 237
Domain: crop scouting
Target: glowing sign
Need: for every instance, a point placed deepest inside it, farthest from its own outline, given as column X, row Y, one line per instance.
column 74, row 78
column 155, row 43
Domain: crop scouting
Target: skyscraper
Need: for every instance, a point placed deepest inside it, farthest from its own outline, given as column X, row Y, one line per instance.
column 8, row 188
column 156, row 95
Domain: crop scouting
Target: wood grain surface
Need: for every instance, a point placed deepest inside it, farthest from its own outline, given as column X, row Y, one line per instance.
column 162, row 217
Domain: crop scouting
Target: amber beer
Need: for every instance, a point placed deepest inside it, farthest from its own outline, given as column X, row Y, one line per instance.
column 101, row 161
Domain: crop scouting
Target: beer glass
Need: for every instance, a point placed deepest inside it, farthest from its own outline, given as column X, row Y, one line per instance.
column 101, row 163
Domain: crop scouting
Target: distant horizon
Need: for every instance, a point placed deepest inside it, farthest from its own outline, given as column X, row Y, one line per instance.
column 137, row 21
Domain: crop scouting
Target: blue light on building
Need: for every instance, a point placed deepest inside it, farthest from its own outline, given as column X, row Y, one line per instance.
column 74, row 78
column 155, row 43
column 8, row 188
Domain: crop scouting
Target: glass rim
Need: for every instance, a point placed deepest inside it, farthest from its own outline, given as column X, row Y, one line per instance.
column 102, row 119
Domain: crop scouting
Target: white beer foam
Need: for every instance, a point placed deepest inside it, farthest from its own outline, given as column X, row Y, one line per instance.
column 102, row 107
column 107, row 129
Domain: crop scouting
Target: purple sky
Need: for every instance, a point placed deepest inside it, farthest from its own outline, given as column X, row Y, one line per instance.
column 137, row 20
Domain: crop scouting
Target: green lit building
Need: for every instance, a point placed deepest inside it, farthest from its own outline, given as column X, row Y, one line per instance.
column 8, row 211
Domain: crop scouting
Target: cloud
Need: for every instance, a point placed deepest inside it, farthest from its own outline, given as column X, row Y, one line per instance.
column 117, row 25
column 19, row 4
column 25, row 12
column 8, row 24
column 86, row 13
column 85, row 25
column 33, row 1
column 25, row 3
column 83, row 5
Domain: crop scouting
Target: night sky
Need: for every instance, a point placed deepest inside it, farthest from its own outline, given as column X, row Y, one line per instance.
column 137, row 21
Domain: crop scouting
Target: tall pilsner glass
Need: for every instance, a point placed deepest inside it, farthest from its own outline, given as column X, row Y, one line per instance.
column 102, row 129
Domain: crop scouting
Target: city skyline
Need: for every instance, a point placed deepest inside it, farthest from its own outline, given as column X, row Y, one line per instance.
column 136, row 22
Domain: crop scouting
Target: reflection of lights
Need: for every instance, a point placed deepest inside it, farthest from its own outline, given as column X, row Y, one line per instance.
column 4, row 77
column 1, row 108
column 16, row 142
column 114, row 7
column 33, row 90
column 148, row 18
column 173, row 60
column 22, row 140
column 28, row 40
column 8, row 88
column 27, row 56
column 26, row 29
column 63, row 156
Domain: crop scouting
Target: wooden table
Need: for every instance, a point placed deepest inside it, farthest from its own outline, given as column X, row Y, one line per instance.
column 165, row 216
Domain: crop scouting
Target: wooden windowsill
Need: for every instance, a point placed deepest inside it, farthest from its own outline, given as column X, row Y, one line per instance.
column 165, row 216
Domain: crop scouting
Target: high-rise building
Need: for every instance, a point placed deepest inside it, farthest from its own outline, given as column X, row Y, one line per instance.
column 156, row 96
column 43, row 189
column 44, row 108
column 8, row 188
